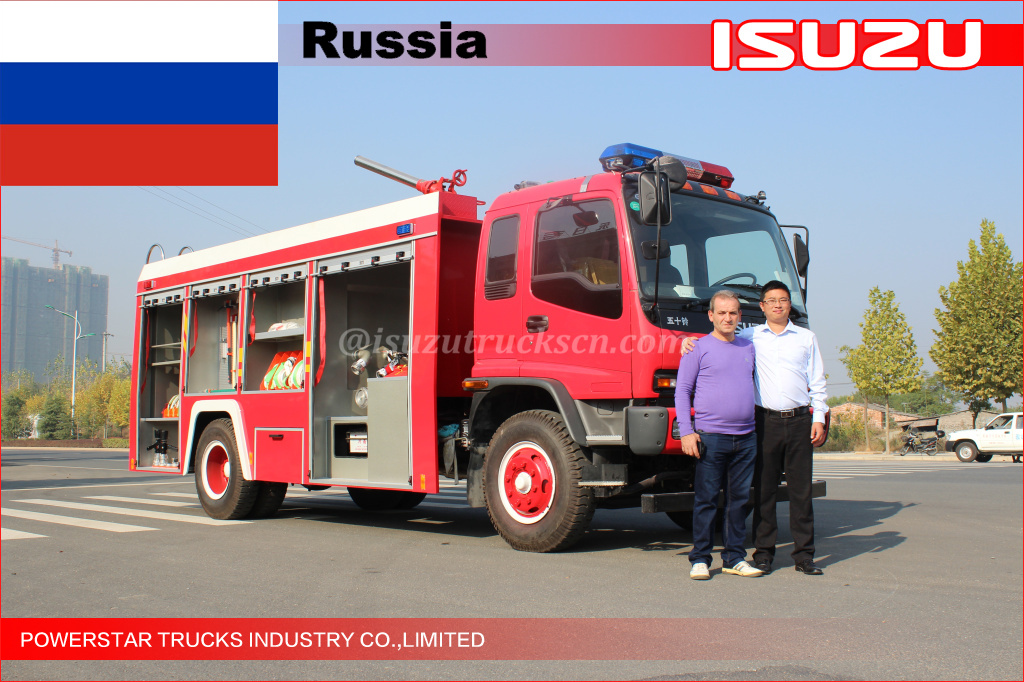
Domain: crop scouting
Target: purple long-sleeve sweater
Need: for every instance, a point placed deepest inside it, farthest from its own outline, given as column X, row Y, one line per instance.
column 717, row 379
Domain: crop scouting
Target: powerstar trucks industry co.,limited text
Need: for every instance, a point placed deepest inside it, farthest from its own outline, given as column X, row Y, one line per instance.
column 532, row 353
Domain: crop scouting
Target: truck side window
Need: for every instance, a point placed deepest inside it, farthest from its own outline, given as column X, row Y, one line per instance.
column 576, row 258
column 1020, row 423
column 501, row 253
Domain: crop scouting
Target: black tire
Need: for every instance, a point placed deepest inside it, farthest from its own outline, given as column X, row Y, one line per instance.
column 371, row 499
column 966, row 451
column 269, row 497
column 532, row 474
column 223, row 491
column 1017, row 459
column 984, row 457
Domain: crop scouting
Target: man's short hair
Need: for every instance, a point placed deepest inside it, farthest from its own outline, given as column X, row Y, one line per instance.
column 724, row 293
column 772, row 286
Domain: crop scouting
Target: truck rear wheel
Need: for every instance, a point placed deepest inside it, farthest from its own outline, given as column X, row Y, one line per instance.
column 223, row 491
column 384, row 500
column 966, row 451
column 532, row 474
column 269, row 498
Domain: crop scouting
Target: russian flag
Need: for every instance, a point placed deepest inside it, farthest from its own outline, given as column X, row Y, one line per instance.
column 127, row 92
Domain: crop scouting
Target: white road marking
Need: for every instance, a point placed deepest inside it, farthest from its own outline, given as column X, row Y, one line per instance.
column 97, row 485
column 145, row 513
column 143, row 500
column 71, row 521
column 11, row 534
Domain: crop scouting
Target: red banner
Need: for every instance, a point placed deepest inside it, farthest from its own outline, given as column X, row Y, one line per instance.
column 435, row 638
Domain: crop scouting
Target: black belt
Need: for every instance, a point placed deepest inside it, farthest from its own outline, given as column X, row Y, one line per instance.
column 785, row 414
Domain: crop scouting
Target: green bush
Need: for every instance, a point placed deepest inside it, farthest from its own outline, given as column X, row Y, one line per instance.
column 115, row 442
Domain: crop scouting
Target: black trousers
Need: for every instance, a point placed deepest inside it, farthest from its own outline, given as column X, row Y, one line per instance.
column 783, row 446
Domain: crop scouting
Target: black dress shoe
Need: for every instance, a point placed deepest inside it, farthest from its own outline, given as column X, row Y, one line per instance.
column 763, row 566
column 808, row 568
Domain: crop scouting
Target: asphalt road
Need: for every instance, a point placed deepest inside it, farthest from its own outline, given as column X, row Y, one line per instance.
column 922, row 579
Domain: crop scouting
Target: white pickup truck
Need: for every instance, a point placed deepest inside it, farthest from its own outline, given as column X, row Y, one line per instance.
column 1001, row 436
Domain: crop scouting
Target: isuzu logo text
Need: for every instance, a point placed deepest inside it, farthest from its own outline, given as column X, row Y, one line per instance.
column 883, row 44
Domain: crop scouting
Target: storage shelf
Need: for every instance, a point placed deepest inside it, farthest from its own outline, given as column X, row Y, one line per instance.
column 279, row 335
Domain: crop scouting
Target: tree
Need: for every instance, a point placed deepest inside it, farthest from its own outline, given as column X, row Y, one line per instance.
column 931, row 400
column 55, row 423
column 886, row 361
column 978, row 343
column 14, row 422
column 120, row 399
column 92, row 404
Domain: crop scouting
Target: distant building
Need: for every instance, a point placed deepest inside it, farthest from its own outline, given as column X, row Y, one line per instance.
column 32, row 335
column 876, row 414
column 963, row 419
column 951, row 421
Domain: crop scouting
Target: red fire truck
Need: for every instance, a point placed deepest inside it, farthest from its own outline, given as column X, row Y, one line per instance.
column 532, row 353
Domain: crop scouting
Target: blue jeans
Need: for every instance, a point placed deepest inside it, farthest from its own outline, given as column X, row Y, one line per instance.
column 728, row 465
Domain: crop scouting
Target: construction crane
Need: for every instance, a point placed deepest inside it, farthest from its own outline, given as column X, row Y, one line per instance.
column 55, row 248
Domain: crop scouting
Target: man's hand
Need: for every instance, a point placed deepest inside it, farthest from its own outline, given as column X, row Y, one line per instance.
column 689, row 442
column 817, row 434
column 687, row 345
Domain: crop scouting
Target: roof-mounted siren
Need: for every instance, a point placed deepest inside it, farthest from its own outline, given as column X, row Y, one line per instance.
column 628, row 156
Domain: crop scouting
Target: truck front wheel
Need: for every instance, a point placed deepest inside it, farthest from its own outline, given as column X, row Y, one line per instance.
column 532, row 474
column 966, row 451
column 223, row 491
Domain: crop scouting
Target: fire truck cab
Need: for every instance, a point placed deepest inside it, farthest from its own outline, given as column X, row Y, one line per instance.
column 532, row 353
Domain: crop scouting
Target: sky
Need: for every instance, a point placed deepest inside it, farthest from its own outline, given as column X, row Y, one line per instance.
column 891, row 172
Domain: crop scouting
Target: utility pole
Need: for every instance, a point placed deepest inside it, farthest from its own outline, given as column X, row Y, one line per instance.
column 74, row 359
column 103, row 363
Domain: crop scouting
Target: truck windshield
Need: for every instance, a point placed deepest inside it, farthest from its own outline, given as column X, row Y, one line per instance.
column 714, row 245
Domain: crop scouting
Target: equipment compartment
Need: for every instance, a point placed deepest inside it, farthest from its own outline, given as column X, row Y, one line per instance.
column 270, row 305
column 213, row 344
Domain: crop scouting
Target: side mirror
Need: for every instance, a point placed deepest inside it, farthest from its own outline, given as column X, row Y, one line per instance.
column 651, row 251
column 654, row 198
column 803, row 257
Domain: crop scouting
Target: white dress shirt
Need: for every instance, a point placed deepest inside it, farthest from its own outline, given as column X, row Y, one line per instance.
column 789, row 372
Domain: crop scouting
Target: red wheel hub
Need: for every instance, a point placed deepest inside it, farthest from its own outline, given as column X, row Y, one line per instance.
column 217, row 470
column 528, row 482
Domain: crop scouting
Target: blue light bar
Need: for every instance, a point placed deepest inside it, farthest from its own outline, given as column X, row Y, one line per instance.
column 627, row 155
column 405, row 228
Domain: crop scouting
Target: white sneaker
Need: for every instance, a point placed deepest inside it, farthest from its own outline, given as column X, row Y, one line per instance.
column 700, row 572
column 744, row 569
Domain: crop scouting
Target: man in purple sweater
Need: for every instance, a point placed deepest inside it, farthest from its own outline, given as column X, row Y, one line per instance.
column 717, row 381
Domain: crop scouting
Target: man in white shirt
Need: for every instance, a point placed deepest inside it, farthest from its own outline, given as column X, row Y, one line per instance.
column 789, row 385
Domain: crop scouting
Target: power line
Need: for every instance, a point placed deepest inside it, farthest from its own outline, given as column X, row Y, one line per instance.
column 214, row 219
column 260, row 228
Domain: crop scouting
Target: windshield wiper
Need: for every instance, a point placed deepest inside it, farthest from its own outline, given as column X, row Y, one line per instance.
column 752, row 288
column 696, row 303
